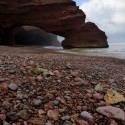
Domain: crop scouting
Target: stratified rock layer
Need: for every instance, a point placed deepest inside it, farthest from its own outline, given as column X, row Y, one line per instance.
column 60, row 17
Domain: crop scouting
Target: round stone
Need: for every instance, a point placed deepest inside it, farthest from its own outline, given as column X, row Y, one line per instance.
column 37, row 102
column 13, row 86
column 66, row 117
column 87, row 115
column 2, row 79
column 56, row 102
column 99, row 88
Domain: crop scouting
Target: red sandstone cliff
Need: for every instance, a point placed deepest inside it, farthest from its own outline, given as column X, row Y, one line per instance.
column 60, row 17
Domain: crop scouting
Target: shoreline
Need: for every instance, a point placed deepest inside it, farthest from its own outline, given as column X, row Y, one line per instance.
column 43, row 50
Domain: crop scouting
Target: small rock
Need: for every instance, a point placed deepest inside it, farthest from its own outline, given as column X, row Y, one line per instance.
column 53, row 114
column 49, row 105
column 74, row 73
column 67, row 78
column 111, row 80
column 74, row 116
column 67, row 97
column 37, row 102
column 51, row 73
column 112, row 112
column 62, row 100
column 101, row 103
column 21, row 96
column 56, row 102
column 39, row 78
column 7, row 104
column 2, row 79
column 2, row 117
column 23, row 114
column 12, row 71
column 82, row 122
column 39, row 70
column 47, row 74
column 67, row 123
column 113, row 122
column 31, row 62
column 99, row 88
column 61, row 110
column 14, row 123
column 79, row 107
column 49, row 123
column 13, row 86
column 6, row 123
column 4, row 87
column 88, row 95
column 57, row 74
column 13, row 116
column 44, row 99
column 84, row 108
column 30, row 111
column 87, row 115
column 35, row 121
column 41, row 112
column 78, row 79
column 68, row 66
column 97, row 96
column 66, row 117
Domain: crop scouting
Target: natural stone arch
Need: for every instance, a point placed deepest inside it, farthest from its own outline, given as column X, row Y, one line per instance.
column 60, row 17
column 29, row 35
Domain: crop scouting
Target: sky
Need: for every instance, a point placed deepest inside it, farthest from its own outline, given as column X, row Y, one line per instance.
column 109, row 15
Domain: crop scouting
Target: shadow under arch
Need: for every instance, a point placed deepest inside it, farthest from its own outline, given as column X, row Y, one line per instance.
column 29, row 35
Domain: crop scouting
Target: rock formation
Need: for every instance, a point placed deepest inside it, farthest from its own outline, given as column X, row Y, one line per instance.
column 90, row 36
column 60, row 17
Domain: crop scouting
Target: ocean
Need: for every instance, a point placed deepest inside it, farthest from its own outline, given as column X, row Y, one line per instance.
column 115, row 49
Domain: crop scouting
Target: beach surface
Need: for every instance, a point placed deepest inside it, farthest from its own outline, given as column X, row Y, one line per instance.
column 39, row 86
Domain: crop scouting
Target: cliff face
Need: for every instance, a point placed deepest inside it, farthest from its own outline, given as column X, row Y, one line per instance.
column 60, row 17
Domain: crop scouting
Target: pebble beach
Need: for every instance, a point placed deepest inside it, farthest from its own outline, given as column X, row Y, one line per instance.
column 39, row 86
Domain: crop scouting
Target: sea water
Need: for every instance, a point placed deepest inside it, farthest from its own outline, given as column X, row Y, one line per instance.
column 115, row 49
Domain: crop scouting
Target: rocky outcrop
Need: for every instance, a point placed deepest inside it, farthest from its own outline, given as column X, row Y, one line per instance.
column 60, row 17
column 90, row 36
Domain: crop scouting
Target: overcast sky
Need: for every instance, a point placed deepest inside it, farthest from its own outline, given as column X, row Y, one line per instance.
column 109, row 15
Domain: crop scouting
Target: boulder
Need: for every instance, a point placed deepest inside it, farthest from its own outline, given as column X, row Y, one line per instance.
column 60, row 17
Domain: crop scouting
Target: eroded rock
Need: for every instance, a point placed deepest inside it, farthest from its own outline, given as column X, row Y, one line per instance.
column 60, row 17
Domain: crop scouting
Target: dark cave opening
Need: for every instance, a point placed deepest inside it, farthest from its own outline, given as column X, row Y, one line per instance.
column 29, row 35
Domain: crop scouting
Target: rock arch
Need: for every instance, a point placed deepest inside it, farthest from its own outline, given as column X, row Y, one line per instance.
column 60, row 17
column 30, row 35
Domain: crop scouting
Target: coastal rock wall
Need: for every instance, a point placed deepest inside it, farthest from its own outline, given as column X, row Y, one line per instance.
column 60, row 17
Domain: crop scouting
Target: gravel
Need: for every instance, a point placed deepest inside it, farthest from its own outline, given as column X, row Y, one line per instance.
column 60, row 89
